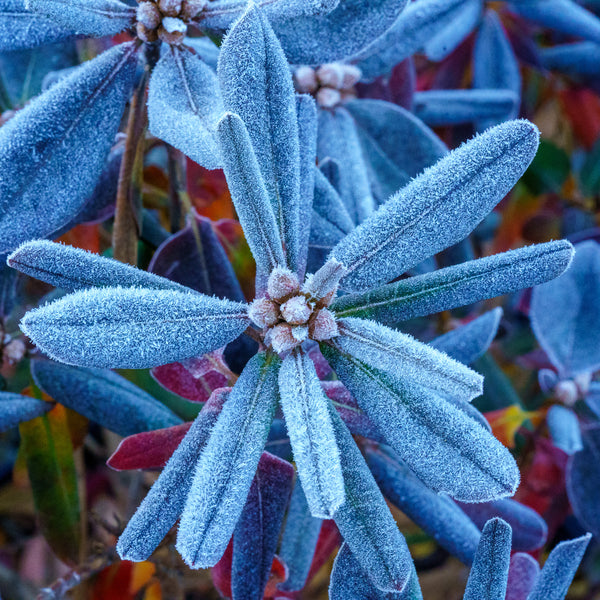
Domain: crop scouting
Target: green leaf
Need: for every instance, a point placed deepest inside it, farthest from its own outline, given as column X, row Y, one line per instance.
column 48, row 451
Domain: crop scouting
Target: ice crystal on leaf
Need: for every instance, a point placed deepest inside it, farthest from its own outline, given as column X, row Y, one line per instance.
column 411, row 393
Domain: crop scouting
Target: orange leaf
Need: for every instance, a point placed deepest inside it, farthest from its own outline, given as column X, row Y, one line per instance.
column 505, row 422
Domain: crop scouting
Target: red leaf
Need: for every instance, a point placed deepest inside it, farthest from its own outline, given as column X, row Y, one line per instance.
column 196, row 379
column 209, row 192
column 582, row 107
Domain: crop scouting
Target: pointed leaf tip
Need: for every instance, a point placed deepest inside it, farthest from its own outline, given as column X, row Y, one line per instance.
column 438, row 208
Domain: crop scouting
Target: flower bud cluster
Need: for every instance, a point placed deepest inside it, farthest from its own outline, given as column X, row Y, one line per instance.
column 290, row 314
column 330, row 84
column 166, row 20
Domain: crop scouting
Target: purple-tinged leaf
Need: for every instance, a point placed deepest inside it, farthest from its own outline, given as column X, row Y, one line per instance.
column 256, row 84
column 446, row 449
column 495, row 65
column 194, row 379
column 149, row 449
column 164, row 503
column 338, row 140
column 195, row 258
column 560, row 568
column 392, row 351
column 15, row 409
column 561, row 15
column 397, row 146
column 88, row 17
column 319, row 39
column 365, row 521
column 435, row 513
column 415, row 26
column 257, row 532
column 564, row 314
column 184, row 105
column 547, row 378
column 468, row 342
column 21, row 29
column 453, row 107
column 72, row 268
column 306, row 410
column 563, row 426
column 249, row 194
column 298, row 541
column 438, row 208
column 451, row 36
column 350, row 582
column 579, row 58
column 583, row 479
column 529, row 529
column 459, row 285
column 104, row 397
column 73, row 123
column 133, row 328
column 225, row 470
column 522, row 573
column 307, row 131
column 489, row 573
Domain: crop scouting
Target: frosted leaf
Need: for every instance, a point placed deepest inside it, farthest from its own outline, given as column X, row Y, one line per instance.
column 299, row 540
column 338, row 140
column 564, row 315
column 459, row 285
column 133, row 328
column 307, row 131
column 350, row 582
column 256, row 84
column 453, row 107
column 446, row 449
column 307, row 419
column 184, row 105
column 468, row 342
column 438, row 208
column 15, row 409
column 489, row 573
column 415, row 26
column 87, row 17
column 225, row 470
column 559, row 569
column 449, row 38
column 495, row 64
column 435, row 513
column 163, row 504
column 21, row 29
column 561, row 15
column 72, row 124
column 249, row 194
column 564, row 429
column 75, row 269
column 319, row 39
column 395, row 352
column 103, row 397
column 365, row 521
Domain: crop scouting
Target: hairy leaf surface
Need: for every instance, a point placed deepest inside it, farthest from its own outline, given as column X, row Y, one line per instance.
column 133, row 328
column 305, row 408
column 459, row 285
column 15, row 409
column 226, row 467
column 438, row 208
column 72, row 124
column 184, row 105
